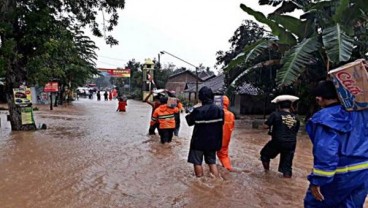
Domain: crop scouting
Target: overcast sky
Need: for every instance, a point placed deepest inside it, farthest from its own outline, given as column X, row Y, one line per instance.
column 193, row 30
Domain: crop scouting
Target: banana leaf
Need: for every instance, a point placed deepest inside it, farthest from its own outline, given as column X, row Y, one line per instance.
column 338, row 45
column 284, row 36
column 295, row 60
column 249, row 53
column 290, row 23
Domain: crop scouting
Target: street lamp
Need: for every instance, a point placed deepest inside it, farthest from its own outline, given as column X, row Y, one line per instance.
column 196, row 70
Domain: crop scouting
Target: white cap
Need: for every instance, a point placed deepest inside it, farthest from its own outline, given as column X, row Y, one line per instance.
column 280, row 98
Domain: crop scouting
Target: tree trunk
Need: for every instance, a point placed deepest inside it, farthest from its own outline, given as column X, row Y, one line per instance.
column 61, row 94
column 15, row 73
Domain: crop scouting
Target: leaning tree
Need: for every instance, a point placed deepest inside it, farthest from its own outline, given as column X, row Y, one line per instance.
column 28, row 27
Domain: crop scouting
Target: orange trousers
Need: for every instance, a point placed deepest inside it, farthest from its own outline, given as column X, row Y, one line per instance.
column 223, row 153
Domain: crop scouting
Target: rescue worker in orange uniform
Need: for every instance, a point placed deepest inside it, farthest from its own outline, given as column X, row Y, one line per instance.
column 228, row 127
column 164, row 116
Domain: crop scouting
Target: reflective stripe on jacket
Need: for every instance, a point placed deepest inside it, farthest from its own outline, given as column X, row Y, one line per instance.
column 164, row 116
column 340, row 144
column 208, row 120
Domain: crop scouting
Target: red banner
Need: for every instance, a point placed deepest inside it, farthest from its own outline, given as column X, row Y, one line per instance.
column 116, row 72
column 51, row 87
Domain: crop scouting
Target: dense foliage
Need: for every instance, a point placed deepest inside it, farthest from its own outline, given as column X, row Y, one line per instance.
column 303, row 50
column 42, row 40
column 327, row 34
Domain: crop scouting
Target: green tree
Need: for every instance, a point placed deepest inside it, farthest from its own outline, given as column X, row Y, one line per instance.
column 136, row 78
column 27, row 26
column 327, row 34
column 247, row 34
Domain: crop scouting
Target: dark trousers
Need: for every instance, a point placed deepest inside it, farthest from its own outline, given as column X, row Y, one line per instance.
column 152, row 129
column 177, row 124
column 286, row 151
column 166, row 135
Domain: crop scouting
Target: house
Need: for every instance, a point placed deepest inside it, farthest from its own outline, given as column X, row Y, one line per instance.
column 183, row 80
column 248, row 99
column 245, row 100
column 216, row 83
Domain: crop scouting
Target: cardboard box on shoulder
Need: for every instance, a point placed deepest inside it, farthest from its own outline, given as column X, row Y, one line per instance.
column 172, row 102
column 351, row 82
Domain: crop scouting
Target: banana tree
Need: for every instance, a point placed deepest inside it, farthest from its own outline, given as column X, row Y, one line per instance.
column 332, row 31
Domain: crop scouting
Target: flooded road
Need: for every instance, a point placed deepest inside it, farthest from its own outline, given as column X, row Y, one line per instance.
column 92, row 156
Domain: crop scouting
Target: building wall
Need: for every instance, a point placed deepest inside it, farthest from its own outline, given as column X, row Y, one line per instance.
column 179, row 82
column 235, row 104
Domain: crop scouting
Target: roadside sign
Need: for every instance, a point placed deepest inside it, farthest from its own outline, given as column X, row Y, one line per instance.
column 51, row 87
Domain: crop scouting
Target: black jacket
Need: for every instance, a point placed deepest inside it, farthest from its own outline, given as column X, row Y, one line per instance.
column 284, row 126
column 208, row 121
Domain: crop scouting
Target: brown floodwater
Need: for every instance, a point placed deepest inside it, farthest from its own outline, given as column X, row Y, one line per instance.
column 92, row 156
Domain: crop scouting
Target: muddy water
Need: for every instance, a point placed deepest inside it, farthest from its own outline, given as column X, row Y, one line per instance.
column 92, row 156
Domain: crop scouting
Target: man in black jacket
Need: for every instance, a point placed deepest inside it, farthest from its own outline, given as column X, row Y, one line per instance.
column 284, row 126
column 208, row 120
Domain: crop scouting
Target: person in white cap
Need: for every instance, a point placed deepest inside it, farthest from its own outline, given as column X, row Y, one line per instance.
column 283, row 127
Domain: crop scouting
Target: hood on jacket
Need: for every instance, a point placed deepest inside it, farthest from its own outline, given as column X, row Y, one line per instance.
column 334, row 117
column 206, row 95
column 225, row 102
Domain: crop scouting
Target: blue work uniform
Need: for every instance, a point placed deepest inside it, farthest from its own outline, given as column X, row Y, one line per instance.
column 340, row 149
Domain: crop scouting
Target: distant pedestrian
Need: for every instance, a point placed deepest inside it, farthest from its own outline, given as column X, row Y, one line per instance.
column 122, row 104
column 110, row 95
column 208, row 120
column 90, row 95
column 283, row 126
column 98, row 94
column 223, row 153
column 106, row 95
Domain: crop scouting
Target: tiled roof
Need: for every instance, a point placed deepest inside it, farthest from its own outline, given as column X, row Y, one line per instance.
column 203, row 75
column 182, row 72
column 216, row 84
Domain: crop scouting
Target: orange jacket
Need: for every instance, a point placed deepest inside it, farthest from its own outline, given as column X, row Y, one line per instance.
column 164, row 116
column 223, row 153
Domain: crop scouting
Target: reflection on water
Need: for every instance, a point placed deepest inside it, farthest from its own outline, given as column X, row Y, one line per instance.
column 92, row 156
